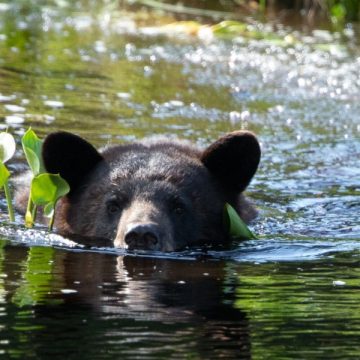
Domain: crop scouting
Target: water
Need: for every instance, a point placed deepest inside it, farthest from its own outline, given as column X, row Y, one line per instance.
column 113, row 78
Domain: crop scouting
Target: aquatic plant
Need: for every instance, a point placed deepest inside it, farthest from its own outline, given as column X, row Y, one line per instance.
column 7, row 151
column 45, row 190
column 32, row 148
column 235, row 225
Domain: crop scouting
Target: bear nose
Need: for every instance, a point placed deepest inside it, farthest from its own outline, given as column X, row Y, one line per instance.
column 142, row 236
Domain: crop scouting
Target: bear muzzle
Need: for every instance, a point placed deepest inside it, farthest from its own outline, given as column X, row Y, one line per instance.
column 143, row 236
column 143, row 226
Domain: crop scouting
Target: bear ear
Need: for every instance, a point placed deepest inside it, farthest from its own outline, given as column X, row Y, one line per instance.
column 70, row 156
column 233, row 159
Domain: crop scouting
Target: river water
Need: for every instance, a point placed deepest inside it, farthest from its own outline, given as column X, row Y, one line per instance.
column 114, row 76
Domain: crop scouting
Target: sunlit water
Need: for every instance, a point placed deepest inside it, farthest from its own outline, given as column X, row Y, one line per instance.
column 293, row 293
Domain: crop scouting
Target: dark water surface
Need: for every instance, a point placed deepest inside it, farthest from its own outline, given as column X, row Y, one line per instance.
column 113, row 77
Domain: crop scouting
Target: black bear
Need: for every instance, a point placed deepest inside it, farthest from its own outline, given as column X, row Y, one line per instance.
column 153, row 194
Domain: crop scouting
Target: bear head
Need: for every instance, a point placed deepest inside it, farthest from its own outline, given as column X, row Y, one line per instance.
column 157, row 195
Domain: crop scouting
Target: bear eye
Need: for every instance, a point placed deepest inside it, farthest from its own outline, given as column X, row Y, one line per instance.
column 113, row 208
column 178, row 207
column 179, row 210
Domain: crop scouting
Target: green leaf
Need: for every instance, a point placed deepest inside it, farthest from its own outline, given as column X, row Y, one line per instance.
column 235, row 225
column 33, row 161
column 4, row 174
column 32, row 146
column 49, row 210
column 7, row 147
column 48, row 188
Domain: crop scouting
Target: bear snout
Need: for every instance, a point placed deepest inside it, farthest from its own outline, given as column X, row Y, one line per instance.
column 144, row 226
column 142, row 236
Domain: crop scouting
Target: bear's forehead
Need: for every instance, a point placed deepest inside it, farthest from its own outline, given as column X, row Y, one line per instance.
column 154, row 165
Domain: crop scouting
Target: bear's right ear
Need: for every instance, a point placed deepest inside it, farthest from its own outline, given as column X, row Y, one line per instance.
column 70, row 156
column 233, row 159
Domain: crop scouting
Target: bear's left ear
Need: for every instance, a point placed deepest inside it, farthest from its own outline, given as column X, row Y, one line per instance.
column 233, row 159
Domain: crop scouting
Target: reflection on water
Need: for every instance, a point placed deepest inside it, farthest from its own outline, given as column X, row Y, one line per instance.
column 111, row 78
column 118, row 305
column 99, row 306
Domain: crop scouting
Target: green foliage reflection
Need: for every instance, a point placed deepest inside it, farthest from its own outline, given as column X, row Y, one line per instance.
column 36, row 278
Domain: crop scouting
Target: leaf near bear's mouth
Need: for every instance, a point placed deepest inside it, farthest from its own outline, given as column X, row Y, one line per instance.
column 235, row 225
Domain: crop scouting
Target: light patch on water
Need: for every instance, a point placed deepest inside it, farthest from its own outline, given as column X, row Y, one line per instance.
column 4, row 7
column 14, row 108
column 339, row 283
column 256, row 251
column 123, row 95
column 54, row 104
column 35, row 237
column 171, row 109
column 303, row 250
column 5, row 98
column 68, row 291
column 14, row 119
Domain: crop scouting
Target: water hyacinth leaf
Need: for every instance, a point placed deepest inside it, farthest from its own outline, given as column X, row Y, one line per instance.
column 7, row 151
column 33, row 160
column 49, row 210
column 235, row 225
column 7, row 147
column 48, row 189
column 32, row 146
column 4, row 174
